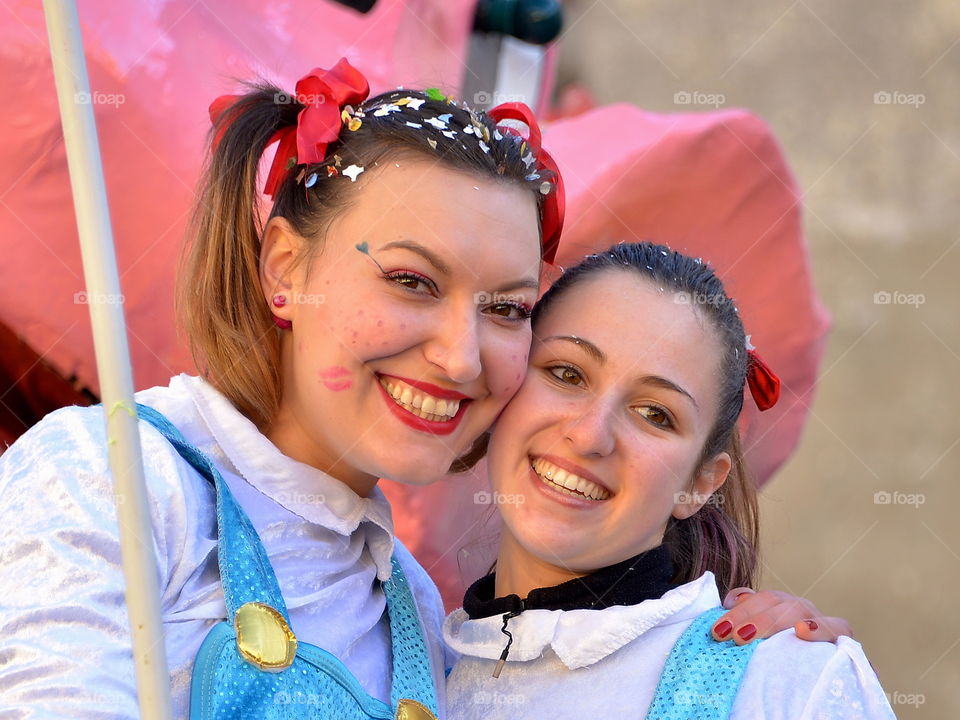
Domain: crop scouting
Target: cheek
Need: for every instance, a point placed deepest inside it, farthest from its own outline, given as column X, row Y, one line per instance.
column 505, row 366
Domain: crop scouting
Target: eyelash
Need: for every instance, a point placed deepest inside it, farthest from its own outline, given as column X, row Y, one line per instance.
column 667, row 425
column 408, row 275
column 524, row 311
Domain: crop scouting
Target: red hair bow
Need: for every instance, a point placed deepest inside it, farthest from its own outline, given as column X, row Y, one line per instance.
column 325, row 93
column 764, row 383
column 555, row 204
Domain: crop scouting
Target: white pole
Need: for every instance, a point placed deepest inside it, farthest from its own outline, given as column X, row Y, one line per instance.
column 113, row 356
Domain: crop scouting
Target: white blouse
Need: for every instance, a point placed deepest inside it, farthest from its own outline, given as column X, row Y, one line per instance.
column 64, row 637
column 607, row 663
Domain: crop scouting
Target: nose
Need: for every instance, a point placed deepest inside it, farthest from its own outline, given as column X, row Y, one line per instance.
column 455, row 345
column 589, row 430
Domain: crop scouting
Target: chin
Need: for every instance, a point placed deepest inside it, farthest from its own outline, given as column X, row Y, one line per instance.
column 416, row 470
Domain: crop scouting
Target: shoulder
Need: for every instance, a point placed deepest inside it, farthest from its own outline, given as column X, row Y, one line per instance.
column 56, row 479
column 794, row 679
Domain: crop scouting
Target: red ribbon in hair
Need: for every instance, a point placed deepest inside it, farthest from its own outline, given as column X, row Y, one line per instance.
column 554, row 205
column 764, row 383
column 324, row 93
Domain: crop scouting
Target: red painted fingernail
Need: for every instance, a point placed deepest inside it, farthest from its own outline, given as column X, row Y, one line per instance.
column 723, row 629
column 811, row 624
column 747, row 632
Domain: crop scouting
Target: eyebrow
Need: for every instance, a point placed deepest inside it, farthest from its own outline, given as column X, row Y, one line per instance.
column 597, row 354
column 444, row 269
column 420, row 250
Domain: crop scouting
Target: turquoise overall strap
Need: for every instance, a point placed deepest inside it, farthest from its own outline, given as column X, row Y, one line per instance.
column 701, row 676
column 412, row 676
column 248, row 576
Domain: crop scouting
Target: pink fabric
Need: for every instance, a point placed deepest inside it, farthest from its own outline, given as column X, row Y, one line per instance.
column 154, row 69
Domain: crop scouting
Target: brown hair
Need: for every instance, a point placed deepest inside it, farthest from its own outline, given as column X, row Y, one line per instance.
column 723, row 536
column 219, row 299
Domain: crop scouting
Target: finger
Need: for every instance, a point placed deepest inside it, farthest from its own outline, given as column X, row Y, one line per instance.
column 748, row 606
column 824, row 629
column 760, row 625
column 732, row 597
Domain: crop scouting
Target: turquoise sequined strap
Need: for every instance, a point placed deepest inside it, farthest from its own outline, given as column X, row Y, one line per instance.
column 412, row 675
column 245, row 571
column 701, row 676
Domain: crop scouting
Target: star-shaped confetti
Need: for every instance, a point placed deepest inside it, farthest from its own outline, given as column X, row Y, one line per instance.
column 437, row 123
column 386, row 110
column 352, row 172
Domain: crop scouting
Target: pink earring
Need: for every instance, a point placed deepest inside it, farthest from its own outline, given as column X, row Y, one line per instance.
column 279, row 301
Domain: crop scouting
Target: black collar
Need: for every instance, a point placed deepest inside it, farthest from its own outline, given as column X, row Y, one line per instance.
column 642, row 577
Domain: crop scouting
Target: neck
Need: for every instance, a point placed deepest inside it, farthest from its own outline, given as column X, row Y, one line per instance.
column 519, row 572
column 288, row 436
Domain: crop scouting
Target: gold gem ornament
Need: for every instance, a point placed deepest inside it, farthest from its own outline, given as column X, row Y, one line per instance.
column 263, row 637
column 412, row 710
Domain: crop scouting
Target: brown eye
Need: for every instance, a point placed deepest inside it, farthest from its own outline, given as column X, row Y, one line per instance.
column 656, row 416
column 567, row 375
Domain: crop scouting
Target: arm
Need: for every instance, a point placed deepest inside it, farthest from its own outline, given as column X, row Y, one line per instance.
column 768, row 612
column 64, row 632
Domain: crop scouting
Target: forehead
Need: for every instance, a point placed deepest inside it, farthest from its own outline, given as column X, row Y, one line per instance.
column 468, row 217
column 640, row 329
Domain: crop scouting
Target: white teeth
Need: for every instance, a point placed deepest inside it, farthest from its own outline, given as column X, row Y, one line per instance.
column 421, row 404
column 566, row 482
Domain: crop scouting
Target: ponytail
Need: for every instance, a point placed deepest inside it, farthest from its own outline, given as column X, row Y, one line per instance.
column 219, row 300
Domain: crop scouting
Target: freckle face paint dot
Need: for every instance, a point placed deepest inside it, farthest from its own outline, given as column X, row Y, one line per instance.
column 379, row 323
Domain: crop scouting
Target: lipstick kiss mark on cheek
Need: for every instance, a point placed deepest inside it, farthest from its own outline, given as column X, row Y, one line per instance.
column 336, row 378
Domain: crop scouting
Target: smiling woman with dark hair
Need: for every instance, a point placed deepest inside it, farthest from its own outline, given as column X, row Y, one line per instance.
column 628, row 515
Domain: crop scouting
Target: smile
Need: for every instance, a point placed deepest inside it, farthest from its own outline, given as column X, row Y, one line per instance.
column 420, row 403
column 567, row 482
column 421, row 406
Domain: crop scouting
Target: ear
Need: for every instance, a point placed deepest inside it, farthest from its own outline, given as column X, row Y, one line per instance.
column 280, row 248
column 707, row 481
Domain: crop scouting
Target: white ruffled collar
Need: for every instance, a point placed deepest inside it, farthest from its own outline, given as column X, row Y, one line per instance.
column 578, row 637
column 289, row 483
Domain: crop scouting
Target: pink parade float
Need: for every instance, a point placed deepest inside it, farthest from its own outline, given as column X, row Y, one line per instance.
column 713, row 185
